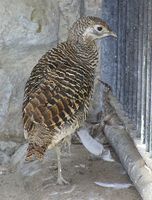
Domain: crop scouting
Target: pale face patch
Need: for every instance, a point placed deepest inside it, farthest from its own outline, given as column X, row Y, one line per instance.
column 96, row 32
column 89, row 34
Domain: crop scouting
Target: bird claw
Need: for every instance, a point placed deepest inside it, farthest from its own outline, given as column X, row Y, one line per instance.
column 62, row 181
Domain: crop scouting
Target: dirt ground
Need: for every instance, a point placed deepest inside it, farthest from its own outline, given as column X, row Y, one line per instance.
column 36, row 180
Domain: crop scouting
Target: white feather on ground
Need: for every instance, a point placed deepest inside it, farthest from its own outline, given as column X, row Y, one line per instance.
column 114, row 185
column 93, row 146
column 107, row 156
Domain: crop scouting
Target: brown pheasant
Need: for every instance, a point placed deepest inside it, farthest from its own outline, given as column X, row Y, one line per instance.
column 58, row 91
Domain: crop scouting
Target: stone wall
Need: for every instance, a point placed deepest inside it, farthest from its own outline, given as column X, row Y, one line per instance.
column 27, row 30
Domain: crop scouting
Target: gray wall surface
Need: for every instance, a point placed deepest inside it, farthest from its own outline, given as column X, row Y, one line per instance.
column 27, row 30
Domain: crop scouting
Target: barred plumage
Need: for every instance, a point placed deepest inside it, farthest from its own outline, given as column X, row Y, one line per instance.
column 58, row 91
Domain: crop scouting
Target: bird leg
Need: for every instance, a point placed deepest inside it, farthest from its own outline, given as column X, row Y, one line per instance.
column 60, row 179
column 67, row 142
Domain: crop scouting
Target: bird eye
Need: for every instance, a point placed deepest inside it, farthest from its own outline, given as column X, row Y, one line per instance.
column 99, row 28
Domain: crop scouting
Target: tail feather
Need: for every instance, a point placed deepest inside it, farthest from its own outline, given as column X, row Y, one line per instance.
column 35, row 150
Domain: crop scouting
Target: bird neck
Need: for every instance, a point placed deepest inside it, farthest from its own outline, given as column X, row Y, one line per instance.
column 84, row 49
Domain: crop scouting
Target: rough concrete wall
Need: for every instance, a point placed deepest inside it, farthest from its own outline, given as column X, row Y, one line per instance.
column 27, row 30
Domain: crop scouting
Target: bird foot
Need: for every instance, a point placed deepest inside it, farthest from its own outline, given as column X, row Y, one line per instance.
column 62, row 181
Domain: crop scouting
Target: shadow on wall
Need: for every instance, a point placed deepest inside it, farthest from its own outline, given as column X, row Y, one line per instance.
column 109, row 13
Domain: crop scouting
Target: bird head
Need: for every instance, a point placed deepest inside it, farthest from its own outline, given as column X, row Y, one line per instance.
column 88, row 29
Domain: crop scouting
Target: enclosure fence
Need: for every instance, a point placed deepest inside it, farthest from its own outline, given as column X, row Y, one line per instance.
column 127, row 61
column 133, row 84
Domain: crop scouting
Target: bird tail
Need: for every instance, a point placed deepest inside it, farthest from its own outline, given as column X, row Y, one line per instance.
column 35, row 150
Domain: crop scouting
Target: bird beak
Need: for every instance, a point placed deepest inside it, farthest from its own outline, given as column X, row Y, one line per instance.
column 112, row 34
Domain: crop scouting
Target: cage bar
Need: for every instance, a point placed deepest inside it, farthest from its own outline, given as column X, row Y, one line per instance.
column 134, row 65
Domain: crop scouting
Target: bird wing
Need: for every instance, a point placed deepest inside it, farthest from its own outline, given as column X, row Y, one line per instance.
column 48, row 105
column 55, row 92
column 51, row 101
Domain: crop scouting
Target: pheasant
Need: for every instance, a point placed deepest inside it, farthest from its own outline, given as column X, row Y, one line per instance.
column 59, row 89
